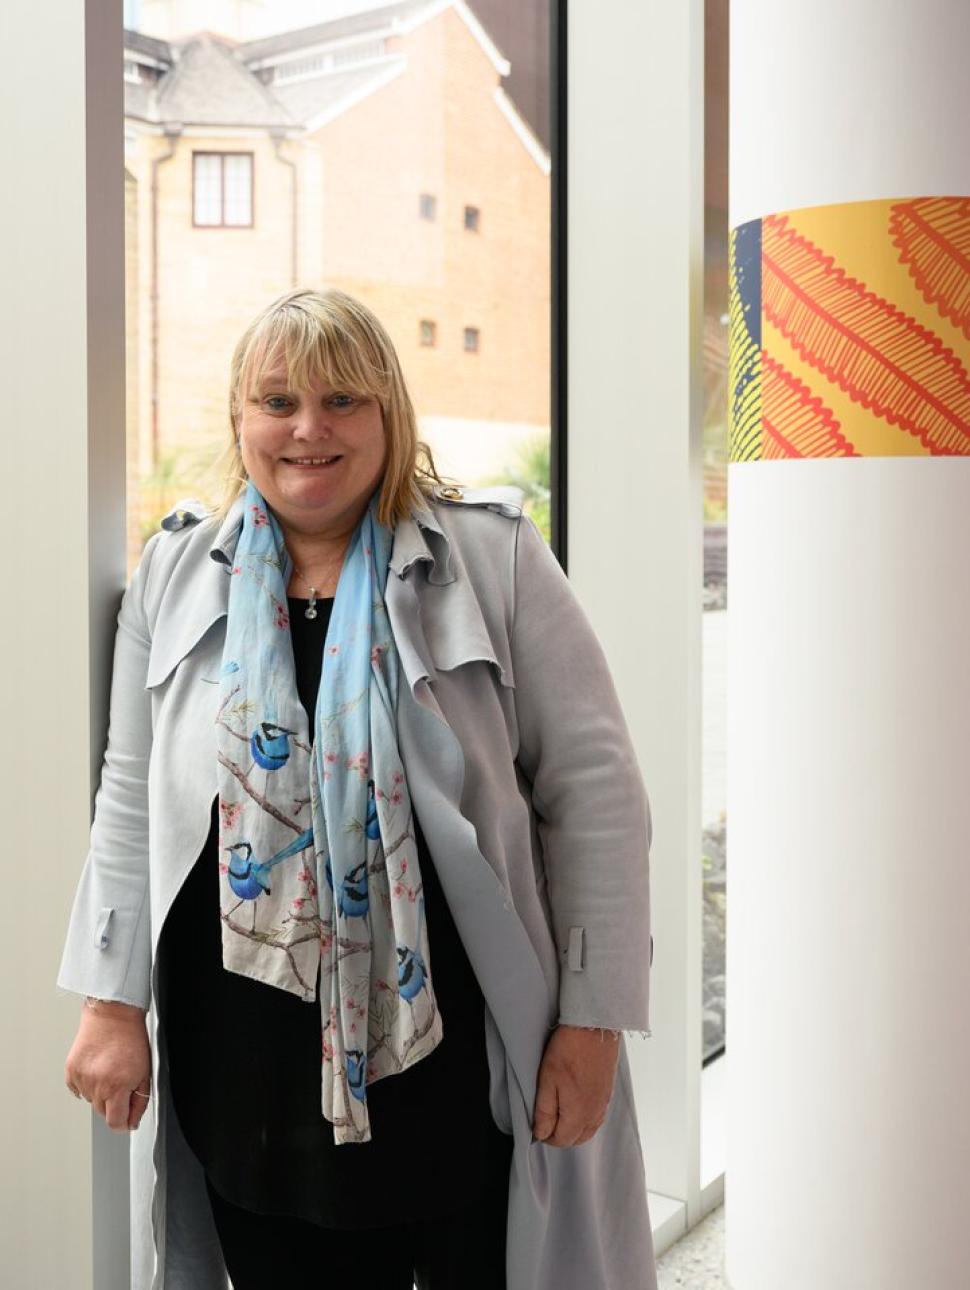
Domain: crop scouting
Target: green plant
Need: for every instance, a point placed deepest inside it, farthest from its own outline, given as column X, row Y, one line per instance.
column 179, row 472
column 530, row 472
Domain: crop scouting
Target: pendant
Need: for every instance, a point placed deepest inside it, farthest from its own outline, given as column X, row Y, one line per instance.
column 311, row 609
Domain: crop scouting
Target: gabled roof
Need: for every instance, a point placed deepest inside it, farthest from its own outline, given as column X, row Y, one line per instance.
column 158, row 50
column 316, row 101
column 403, row 17
column 210, row 82
column 287, row 42
column 208, row 85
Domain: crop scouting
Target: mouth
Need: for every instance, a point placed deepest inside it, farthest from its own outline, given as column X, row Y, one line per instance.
column 312, row 463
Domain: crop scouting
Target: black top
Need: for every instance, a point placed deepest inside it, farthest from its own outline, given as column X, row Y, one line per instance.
column 245, row 1061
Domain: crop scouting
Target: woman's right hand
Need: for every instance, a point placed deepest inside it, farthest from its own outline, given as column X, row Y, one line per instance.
column 111, row 1057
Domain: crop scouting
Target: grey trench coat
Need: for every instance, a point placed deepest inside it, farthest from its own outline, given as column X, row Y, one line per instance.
column 522, row 772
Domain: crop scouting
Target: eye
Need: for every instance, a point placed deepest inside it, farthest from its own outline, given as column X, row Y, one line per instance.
column 349, row 397
column 276, row 398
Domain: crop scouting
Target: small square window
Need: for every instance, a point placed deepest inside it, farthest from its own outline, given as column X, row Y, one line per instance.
column 471, row 218
column 471, row 340
column 222, row 189
column 428, row 205
column 427, row 331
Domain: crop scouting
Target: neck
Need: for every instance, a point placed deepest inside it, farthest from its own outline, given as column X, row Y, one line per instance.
column 309, row 550
column 318, row 557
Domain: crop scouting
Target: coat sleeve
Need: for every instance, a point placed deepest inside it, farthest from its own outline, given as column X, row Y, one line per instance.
column 107, row 951
column 593, row 812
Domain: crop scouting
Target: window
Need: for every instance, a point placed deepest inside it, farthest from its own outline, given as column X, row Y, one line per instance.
column 222, row 189
column 471, row 218
column 428, row 330
column 298, row 69
column 428, row 204
column 471, row 340
column 359, row 53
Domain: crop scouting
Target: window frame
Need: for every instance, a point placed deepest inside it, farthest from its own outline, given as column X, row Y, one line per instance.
column 222, row 154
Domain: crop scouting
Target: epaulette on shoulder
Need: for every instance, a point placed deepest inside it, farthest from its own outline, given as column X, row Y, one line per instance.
column 185, row 513
column 507, row 499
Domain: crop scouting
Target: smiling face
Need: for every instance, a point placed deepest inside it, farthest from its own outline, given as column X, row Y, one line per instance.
column 280, row 426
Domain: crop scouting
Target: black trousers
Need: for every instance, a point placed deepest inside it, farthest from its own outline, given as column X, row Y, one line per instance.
column 460, row 1251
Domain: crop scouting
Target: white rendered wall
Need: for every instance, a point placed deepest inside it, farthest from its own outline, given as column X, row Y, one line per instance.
column 848, row 955
column 62, row 362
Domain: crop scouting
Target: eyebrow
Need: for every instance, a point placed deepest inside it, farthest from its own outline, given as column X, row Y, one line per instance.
column 279, row 382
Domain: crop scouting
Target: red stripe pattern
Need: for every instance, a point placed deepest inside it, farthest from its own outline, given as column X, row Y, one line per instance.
column 881, row 357
column 794, row 423
column 933, row 238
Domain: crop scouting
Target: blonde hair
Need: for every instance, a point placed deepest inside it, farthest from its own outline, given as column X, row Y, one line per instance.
column 331, row 335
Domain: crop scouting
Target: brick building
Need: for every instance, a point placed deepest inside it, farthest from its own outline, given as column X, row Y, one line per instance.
column 378, row 153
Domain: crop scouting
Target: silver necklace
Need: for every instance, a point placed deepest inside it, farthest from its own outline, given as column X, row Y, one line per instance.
column 311, row 609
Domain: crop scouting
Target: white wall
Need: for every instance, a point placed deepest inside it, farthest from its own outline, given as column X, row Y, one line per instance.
column 63, row 404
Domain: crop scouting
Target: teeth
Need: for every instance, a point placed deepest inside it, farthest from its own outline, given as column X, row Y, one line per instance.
column 311, row 461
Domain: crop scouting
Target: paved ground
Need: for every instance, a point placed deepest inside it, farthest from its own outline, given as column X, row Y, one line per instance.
column 697, row 1259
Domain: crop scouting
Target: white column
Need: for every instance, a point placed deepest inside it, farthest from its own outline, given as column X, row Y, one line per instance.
column 848, row 954
column 62, row 531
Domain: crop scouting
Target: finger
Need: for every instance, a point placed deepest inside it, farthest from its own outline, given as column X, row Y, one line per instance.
column 139, row 1105
column 117, row 1109
column 568, row 1129
column 546, row 1109
column 587, row 1133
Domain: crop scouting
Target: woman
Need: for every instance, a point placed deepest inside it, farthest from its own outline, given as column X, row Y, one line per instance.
column 425, row 819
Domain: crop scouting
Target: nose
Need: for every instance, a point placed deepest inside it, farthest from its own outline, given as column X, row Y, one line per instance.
column 313, row 423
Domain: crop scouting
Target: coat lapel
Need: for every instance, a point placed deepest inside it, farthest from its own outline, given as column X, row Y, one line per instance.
column 448, row 631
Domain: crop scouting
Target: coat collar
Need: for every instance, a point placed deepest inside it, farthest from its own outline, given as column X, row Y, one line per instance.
column 418, row 537
column 431, row 632
column 188, row 604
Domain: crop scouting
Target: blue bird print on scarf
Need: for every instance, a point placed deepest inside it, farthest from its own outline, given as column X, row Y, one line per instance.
column 270, row 745
column 357, row 1073
column 373, row 824
column 249, row 878
column 354, row 898
column 412, row 971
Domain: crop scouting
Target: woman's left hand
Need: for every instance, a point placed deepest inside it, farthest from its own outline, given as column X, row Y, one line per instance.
column 575, row 1085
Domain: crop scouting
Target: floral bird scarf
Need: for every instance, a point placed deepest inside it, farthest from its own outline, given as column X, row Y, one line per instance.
column 318, row 862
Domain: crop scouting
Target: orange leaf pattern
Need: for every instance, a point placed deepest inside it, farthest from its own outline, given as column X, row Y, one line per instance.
column 933, row 236
column 794, row 422
column 864, row 330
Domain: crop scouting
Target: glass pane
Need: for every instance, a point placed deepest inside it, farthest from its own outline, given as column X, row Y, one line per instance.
column 239, row 188
column 208, row 189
